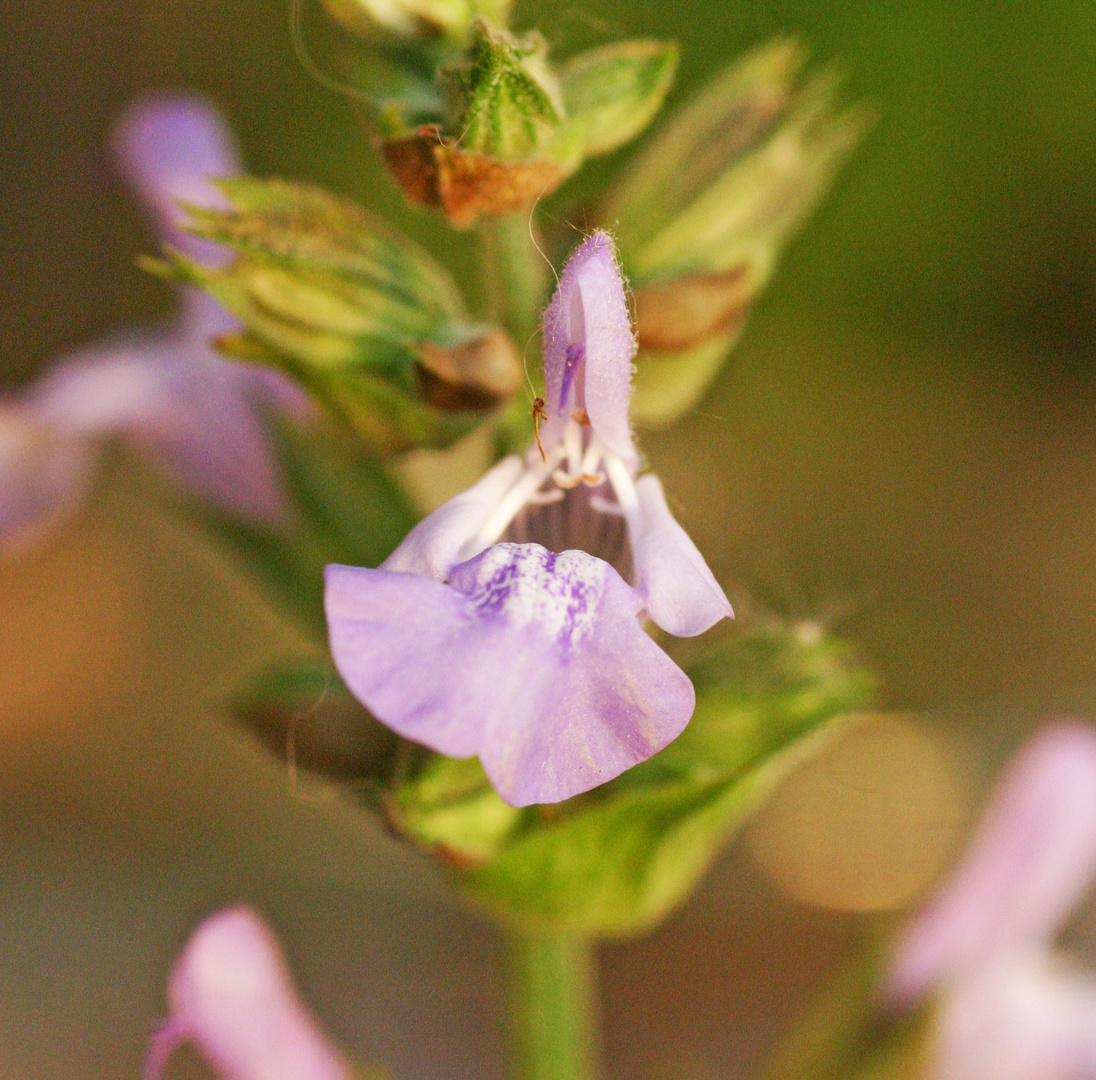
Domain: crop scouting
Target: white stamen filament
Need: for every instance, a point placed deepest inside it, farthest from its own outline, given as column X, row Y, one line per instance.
column 590, row 468
column 524, row 488
column 592, row 458
column 572, row 442
column 624, row 488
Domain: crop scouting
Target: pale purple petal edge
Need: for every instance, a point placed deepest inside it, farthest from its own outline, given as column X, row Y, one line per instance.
column 682, row 594
column 433, row 547
column 1032, row 858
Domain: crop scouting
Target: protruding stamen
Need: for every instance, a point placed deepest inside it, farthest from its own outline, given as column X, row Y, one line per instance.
column 523, row 490
column 624, row 488
column 565, row 480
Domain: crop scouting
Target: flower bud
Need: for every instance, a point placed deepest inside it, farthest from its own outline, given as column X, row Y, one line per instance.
column 413, row 18
column 514, row 128
column 702, row 214
column 359, row 315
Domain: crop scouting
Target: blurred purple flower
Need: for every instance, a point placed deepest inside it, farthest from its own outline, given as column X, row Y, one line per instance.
column 1011, row 1010
column 231, row 994
column 165, row 392
column 504, row 625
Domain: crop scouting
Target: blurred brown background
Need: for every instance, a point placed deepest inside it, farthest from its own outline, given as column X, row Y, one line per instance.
column 905, row 442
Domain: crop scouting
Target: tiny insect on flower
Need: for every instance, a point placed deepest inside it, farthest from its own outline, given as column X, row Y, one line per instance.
column 539, row 414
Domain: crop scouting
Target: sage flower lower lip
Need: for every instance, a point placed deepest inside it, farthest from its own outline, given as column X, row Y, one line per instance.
column 533, row 661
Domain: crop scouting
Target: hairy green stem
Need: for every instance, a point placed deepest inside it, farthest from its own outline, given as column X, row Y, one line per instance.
column 553, row 1008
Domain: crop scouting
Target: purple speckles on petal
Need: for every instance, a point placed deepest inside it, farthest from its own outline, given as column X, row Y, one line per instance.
column 528, row 585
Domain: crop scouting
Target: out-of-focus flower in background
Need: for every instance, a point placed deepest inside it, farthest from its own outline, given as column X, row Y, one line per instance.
column 1010, row 1007
column 164, row 392
column 231, row 994
column 533, row 657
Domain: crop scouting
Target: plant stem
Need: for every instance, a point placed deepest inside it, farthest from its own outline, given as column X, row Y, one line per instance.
column 553, row 1008
column 514, row 275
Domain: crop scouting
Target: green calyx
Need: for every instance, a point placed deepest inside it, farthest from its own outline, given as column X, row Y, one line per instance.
column 505, row 100
column 705, row 210
column 616, row 861
column 362, row 317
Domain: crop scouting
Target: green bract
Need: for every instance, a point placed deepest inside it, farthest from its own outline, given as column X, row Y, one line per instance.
column 702, row 213
column 616, row 861
column 493, row 128
column 362, row 317
column 505, row 100
column 612, row 93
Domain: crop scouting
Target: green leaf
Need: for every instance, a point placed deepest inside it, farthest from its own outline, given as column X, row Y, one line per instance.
column 614, row 92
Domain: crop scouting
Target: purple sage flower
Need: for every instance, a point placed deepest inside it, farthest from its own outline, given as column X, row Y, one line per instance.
column 165, row 392
column 1010, row 1008
column 231, row 994
column 507, row 624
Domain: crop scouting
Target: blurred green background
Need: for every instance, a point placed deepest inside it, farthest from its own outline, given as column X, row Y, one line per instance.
column 905, row 442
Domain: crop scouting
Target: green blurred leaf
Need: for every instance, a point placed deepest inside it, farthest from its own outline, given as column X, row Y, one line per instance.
column 345, row 508
column 613, row 93
column 451, row 809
